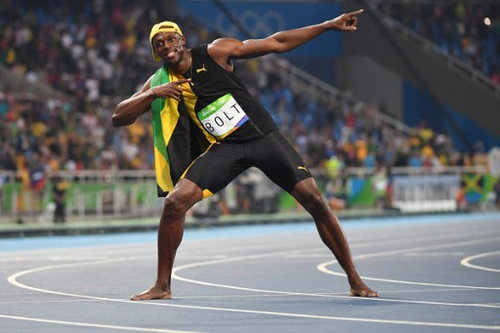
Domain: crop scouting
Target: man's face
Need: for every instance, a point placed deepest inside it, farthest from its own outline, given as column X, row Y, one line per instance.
column 169, row 46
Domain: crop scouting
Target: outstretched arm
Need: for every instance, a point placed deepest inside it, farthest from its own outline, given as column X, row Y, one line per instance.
column 224, row 49
column 128, row 110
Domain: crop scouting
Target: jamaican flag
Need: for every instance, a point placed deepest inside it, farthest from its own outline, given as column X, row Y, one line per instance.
column 178, row 136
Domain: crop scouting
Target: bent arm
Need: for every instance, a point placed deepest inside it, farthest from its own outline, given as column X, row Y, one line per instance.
column 128, row 110
column 224, row 49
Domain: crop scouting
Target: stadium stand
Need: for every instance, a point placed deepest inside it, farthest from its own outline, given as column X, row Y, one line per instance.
column 96, row 52
column 467, row 30
column 92, row 59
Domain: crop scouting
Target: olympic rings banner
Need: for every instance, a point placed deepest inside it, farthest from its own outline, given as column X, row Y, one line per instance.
column 263, row 18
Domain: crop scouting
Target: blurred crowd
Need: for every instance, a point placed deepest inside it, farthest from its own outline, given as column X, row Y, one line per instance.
column 469, row 30
column 97, row 52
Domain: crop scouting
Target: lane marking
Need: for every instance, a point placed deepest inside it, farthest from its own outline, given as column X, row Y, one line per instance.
column 321, row 294
column 433, row 254
column 428, row 237
column 323, row 266
column 292, row 293
column 49, row 301
column 54, row 258
column 13, row 280
column 428, row 290
column 335, row 318
column 175, row 276
column 257, row 256
column 466, row 262
column 389, row 242
column 41, row 254
column 81, row 324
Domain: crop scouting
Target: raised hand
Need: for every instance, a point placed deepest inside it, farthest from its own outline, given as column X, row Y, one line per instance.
column 345, row 22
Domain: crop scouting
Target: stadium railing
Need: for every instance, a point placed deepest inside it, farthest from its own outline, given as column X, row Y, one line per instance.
column 101, row 195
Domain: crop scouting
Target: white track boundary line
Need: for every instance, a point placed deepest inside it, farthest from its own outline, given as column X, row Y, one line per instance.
column 81, row 324
column 322, row 267
column 13, row 280
column 267, row 291
column 466, row 262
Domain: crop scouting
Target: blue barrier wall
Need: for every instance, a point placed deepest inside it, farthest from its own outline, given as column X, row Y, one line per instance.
column 265, row 18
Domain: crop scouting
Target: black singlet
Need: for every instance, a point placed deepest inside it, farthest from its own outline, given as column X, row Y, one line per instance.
column 210, row 82
column 255, row 142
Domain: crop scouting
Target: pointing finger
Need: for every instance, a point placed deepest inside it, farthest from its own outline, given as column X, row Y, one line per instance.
column 179, row 82
column 359, row 11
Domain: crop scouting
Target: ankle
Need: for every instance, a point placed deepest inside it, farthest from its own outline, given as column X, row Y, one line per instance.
column 161, row 286
column 355, row 281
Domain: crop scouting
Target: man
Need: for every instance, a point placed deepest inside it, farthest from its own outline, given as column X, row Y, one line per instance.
column 227, row 132
column 59, row 187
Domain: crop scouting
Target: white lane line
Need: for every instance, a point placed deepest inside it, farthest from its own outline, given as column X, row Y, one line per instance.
column 335, row 318
column 321, row 294
column 55, row 258
column 76, row 323
column 293, row 293
column 393, row 242
column 434, row 254
column 323, row 250
column 49, row 301
column 112, row 250
column 149, row 246
column 466, row 262
column 323, row 266
column 13, row 280
column 428, row 290
column 142, row 248
column 427, row 238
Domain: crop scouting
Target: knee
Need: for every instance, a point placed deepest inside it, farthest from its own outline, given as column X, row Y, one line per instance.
column 308, row 195
column 312, row 200
column 316, row 201
column 174, row 207
column 178, row 203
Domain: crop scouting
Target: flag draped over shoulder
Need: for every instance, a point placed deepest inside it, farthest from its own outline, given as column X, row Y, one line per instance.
column 177, row 140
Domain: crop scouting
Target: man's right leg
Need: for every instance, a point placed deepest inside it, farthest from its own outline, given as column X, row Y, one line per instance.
column 170, row 232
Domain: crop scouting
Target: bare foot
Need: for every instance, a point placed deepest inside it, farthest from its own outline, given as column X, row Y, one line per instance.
column 363, row 291
column 153, row 293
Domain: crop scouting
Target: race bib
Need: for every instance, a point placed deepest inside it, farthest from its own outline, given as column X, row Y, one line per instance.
column 222, row 117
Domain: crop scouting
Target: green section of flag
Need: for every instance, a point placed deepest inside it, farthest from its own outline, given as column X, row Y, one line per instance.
column 160, row 77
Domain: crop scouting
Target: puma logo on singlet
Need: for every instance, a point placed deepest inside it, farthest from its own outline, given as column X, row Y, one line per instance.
column 202, row 69
column 302, row 168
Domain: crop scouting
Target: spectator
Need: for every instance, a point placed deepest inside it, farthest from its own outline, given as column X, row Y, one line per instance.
column 59, row 188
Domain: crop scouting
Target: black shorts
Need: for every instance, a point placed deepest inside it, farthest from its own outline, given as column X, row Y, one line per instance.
column 223, row 162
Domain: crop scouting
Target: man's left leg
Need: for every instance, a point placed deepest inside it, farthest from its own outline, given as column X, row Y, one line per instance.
column 308, row 195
